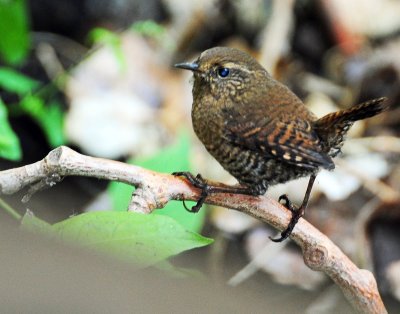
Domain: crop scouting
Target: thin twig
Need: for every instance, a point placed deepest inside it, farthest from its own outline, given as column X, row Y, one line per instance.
column 155, row 190
column 8, row 209
column 274, row 37
column 268, row 252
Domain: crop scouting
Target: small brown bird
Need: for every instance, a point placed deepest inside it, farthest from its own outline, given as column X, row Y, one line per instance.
column 259, row 130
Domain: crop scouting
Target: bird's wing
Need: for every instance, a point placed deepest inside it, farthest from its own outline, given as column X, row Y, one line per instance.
column 294, row 141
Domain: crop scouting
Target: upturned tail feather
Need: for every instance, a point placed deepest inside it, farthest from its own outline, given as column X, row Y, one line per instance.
column 333, row 127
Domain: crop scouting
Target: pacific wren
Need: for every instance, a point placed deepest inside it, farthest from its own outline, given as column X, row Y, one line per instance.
column 259, row 130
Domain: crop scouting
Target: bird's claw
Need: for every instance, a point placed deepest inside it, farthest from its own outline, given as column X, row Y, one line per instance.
column 285, row 201
column 197, row 182
column 297, row 213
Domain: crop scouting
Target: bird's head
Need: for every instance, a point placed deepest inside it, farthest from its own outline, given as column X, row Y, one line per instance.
column 226, row 71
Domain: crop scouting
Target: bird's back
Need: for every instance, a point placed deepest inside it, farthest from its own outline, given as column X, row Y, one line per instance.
column 256, row 136
column 256, row 127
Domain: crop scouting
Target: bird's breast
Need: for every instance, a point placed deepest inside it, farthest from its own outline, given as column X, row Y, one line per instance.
column 207, row 120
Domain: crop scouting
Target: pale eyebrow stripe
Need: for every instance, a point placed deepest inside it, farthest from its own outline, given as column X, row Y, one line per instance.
column 234, row 66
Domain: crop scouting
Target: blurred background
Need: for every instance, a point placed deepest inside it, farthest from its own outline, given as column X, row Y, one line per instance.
column 97, row 76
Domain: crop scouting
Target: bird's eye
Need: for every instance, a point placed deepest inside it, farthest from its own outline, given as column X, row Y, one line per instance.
column 223, row 72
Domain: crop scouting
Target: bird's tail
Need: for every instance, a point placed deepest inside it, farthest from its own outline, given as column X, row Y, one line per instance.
column 333, row 127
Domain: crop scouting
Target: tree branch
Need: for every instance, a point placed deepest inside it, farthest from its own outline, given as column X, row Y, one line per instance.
column 155, row 190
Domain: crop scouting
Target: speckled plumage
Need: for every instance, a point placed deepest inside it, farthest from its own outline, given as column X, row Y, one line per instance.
column 258, row 129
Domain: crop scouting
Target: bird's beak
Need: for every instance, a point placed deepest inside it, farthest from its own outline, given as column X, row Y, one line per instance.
column 187, row 66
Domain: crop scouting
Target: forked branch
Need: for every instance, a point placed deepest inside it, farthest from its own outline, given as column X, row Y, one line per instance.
column 155, row 190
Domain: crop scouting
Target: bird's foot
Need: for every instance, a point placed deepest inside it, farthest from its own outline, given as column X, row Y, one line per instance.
column 285, row 201
column 197, row 182
column 297, row 213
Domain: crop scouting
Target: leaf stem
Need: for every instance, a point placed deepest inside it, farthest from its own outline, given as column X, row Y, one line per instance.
column 10, row 210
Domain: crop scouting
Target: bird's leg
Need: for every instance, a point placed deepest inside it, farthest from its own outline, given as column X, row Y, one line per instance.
column 297, row 213
column 206, row 189
column 198, row 182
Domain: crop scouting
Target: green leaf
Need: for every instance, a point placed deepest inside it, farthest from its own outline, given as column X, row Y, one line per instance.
column 142, row 239
column 33, row 224
column 15, row 41
column 52, row 123
column 49, row 117
column 111, row 39
column 148, row 28
column 9, row 143
column 15, row 82
column 33, row 105
column 173, row 158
